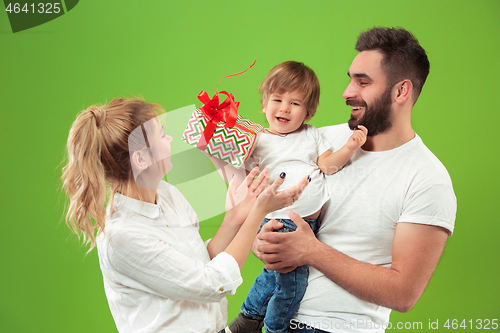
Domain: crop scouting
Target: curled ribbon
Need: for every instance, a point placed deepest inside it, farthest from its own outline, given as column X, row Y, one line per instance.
column 225, row 112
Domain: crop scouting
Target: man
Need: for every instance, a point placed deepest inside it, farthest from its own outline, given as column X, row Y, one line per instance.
column 391, row 207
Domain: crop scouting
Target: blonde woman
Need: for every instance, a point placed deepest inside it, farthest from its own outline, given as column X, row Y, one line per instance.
column 159, row 276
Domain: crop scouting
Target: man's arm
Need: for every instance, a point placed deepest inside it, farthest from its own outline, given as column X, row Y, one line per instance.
column 415, row 253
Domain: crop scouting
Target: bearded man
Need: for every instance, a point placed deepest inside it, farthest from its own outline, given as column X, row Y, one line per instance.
column 391, row 208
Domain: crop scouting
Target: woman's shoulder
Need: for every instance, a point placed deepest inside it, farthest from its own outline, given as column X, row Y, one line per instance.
column 172, row 196
column 169, row 191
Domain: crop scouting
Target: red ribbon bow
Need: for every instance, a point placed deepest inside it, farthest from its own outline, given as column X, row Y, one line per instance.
column 226, row 112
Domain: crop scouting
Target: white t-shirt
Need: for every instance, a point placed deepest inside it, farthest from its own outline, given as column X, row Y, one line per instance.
column 368, row 197
column 296, row 154
column 158, row 276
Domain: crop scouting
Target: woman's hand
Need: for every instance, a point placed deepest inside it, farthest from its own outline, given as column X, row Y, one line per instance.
column 240, row 199
column 271, row 199
column 262, row 201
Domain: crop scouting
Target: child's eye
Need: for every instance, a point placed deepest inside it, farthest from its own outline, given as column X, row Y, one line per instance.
column 294, row 103
column 278, row 100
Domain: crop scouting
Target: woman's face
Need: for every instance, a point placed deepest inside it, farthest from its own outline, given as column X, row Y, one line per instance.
column 152, row 162
column 160, row 147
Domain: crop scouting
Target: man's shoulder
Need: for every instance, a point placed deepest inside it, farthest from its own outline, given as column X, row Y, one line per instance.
column 335, row 129
column 336, row 135
column 426, row 160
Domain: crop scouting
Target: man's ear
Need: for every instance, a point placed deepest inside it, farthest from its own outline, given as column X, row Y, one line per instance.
column 403, row 91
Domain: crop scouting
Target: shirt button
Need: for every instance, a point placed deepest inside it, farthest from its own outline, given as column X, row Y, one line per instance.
column 221, row 289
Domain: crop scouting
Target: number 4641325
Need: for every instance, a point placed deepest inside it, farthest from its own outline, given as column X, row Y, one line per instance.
column 485, row 324
column 41, row 8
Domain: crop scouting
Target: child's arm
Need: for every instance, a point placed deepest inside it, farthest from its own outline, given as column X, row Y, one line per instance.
column 330, row 162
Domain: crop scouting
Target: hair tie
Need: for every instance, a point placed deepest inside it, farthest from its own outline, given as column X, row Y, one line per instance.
column 99, row 115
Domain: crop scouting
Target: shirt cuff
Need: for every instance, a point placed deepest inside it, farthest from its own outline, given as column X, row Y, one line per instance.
column 231, row 275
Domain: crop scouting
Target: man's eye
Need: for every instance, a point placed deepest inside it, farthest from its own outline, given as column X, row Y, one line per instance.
column 363, row 83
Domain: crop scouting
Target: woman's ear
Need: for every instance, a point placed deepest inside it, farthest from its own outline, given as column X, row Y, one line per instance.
column 140, row 160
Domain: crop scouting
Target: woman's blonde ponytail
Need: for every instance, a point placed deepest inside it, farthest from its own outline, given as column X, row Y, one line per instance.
column 98, row 158
column 83, row 177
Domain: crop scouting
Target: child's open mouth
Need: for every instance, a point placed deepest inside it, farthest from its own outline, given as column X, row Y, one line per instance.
column 283, row 120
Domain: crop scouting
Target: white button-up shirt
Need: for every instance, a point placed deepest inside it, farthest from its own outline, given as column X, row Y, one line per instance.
column 158, row 276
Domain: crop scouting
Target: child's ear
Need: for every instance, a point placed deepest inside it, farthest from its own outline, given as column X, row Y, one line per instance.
column 308, row 116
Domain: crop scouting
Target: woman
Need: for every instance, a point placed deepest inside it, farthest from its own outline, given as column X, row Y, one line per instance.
column 159, row 276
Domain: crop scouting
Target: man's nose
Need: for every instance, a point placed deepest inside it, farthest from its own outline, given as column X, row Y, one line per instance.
column 350, row 91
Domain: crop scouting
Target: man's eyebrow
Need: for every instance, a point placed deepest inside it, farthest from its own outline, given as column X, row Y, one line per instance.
column 359, row 76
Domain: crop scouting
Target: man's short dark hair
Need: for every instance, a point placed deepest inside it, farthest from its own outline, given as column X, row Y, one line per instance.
column 404, row 58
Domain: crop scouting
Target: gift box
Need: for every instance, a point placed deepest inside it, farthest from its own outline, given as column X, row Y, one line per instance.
column 220, row 131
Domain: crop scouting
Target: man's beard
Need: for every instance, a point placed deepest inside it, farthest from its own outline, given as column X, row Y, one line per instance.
column 377, row 118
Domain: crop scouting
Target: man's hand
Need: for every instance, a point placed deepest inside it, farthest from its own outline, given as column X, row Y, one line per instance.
column 283, row 252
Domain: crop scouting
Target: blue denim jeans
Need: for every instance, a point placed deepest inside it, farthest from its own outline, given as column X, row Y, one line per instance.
column 275, row 297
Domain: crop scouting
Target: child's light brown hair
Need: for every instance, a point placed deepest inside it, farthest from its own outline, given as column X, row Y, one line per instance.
column 292, row 76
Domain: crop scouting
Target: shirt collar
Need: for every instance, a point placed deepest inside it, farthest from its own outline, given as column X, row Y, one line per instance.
column 147, row 209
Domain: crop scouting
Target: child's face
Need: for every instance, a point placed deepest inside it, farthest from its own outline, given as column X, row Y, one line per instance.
column 285, row 112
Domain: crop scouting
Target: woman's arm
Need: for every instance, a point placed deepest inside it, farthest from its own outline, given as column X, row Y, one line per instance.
column 239, row 202
column 268, row 201
column 142, row 261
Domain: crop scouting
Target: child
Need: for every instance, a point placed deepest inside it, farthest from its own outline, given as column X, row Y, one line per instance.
column 290, row 96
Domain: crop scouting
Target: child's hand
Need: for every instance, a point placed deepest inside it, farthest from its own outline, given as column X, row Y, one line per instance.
column 358, row 138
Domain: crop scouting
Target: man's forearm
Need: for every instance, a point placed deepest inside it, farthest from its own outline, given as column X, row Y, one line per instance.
column 380, row 285
column 415, row 253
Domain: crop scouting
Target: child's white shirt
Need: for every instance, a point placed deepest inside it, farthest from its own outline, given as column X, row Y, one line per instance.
column 296, row 154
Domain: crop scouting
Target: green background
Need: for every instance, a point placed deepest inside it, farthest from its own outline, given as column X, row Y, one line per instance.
column 167, row 52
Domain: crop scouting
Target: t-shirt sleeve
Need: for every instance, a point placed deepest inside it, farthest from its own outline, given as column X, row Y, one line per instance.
column 433, row 205
column 321, row 142
column 336, row 136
